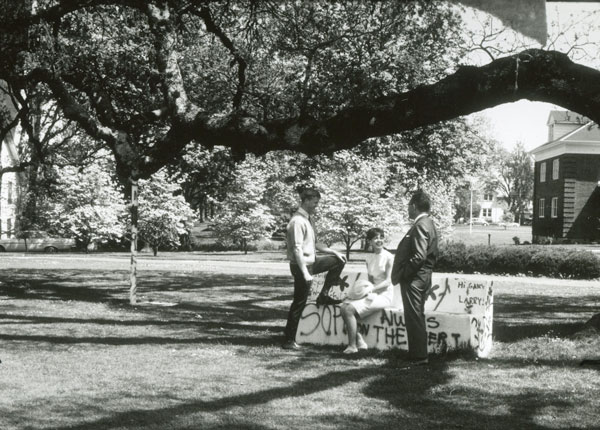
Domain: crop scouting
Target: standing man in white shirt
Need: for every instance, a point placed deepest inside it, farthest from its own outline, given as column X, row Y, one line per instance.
column 301, row 251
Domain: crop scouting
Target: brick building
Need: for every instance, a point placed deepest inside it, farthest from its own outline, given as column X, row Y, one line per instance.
column 566, row 195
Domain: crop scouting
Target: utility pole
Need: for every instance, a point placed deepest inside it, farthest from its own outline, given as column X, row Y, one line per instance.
column 471, row 208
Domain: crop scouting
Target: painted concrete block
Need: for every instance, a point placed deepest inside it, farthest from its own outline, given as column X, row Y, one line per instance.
column 459, row 315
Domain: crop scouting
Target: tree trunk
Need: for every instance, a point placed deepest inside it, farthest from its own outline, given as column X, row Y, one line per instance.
column 134, row 233
column 201, row 208
column 348, row 246
column 1, row 174
column 155, row 250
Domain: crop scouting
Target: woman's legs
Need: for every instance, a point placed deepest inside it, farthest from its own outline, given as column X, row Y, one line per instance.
column 349, row 317
column 360, row 342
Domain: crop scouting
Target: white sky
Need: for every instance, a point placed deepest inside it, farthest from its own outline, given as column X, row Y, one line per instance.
column 524, row 120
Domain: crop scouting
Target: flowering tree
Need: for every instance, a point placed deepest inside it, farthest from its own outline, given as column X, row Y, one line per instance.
column 91, row 207
column 244, row 216
column 353, row 198
column 164, row 217
column 285, row 171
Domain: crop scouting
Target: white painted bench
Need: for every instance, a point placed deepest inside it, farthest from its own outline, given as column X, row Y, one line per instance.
column 459, row 315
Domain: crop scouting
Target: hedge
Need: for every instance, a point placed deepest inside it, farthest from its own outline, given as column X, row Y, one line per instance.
column 551, row 261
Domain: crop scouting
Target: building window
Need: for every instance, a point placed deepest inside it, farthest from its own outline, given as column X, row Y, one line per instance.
column 541, row 208
column 488, row 197
column 486, row 212
column 555, row 165
column 9, row 191
column 554, row 207
column 543, row 172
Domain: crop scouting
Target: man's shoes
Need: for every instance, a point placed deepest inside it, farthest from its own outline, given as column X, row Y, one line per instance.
column 323, row 299
column 291, row 345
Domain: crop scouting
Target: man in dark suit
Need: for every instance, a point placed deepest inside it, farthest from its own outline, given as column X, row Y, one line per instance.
column 413, row 264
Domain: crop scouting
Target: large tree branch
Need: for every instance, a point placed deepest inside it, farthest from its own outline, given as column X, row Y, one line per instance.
column 212, row 27
column 126, row 155
column 535, row 74
column 59, row 9
column 15, row 169
column 98, row 99
column 71, row 108
column 162, row 26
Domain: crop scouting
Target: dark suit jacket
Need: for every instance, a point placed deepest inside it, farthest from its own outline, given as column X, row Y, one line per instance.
column 416, row 254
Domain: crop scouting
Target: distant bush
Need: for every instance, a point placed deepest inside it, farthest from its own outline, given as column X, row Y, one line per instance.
column 269, row 245
column 257, row 245
column 218, row 247
column 556, row 262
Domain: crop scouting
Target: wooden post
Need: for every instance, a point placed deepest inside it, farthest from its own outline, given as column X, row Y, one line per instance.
column 134, row 233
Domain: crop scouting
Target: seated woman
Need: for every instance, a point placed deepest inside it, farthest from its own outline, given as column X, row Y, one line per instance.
column 379, row 270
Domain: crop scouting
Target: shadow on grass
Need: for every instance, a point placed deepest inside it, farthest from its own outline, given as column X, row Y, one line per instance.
column 407, row 390
column 520, row 317
column 155, row 417
column 241, row 310
column 511, row 332
column 203, row 308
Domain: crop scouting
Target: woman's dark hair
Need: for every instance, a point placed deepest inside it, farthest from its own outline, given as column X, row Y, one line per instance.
column 372, row 232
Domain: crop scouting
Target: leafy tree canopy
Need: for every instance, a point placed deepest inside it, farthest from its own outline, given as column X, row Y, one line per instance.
column 149, row 77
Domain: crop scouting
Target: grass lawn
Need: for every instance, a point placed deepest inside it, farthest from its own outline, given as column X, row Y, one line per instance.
column 496, row 235
column 202, row 352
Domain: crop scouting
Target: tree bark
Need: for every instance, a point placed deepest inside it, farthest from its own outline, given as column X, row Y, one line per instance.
column 134, row 233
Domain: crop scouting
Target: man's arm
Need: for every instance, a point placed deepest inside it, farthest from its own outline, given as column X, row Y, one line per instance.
column 396, row 267
column 298, row 238
column 302, row 264
column 419, row 243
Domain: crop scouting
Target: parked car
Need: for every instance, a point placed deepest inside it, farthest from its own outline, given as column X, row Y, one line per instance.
column 479, row 221
column 508, row 224
column 36, row 241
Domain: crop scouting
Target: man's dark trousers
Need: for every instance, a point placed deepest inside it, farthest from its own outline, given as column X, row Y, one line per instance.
column 413, row 264
column 328, row 263
column 413, row 298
